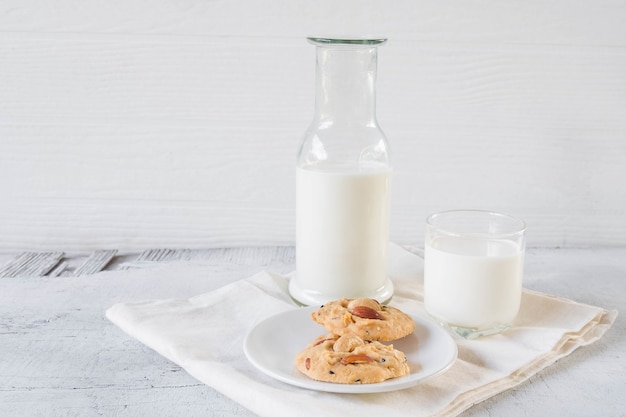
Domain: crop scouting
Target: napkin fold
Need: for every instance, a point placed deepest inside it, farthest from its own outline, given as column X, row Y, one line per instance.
column 204, row 335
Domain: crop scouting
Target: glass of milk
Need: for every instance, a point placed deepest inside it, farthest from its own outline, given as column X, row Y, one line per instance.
column 343, row 180
column 473, row 267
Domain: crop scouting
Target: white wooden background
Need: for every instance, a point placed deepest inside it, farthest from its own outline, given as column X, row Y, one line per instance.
column 132, row 124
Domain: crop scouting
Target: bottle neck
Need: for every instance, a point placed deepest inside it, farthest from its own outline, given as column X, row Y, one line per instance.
column 346, row 85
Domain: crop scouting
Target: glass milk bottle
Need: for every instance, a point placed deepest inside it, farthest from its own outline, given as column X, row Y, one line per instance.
column 343, row 181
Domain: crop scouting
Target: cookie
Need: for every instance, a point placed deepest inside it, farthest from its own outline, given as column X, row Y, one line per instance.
column 364, row 317
column 349, row 359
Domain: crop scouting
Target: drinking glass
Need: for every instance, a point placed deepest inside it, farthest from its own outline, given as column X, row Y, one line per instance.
column 473, row 268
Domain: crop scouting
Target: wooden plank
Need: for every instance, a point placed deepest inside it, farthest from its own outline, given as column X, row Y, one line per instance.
column 60, row 269
column 556, row 22
column 210, row 84
column 96, row 262
column 562, row 182
column 31, row 264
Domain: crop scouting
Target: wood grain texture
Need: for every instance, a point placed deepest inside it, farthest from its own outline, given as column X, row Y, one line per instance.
column 531, row 22
column 132, row 125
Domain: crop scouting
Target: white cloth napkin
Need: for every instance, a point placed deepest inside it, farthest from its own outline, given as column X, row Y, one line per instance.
column 204, row 335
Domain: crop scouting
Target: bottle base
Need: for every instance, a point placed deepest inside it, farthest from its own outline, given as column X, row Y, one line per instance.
column 309, row 297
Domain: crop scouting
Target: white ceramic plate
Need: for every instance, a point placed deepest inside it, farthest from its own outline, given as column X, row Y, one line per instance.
column 272, row 345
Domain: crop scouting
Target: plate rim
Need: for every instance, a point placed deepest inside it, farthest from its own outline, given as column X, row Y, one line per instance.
column 394, row 384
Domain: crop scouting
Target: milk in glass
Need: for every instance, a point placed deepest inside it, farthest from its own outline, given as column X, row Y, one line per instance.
column 473, row 282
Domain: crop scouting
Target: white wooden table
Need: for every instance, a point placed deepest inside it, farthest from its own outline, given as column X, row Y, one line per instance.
column 60, row 356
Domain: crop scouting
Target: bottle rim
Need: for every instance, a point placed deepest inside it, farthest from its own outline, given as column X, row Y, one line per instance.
column 346, row 41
